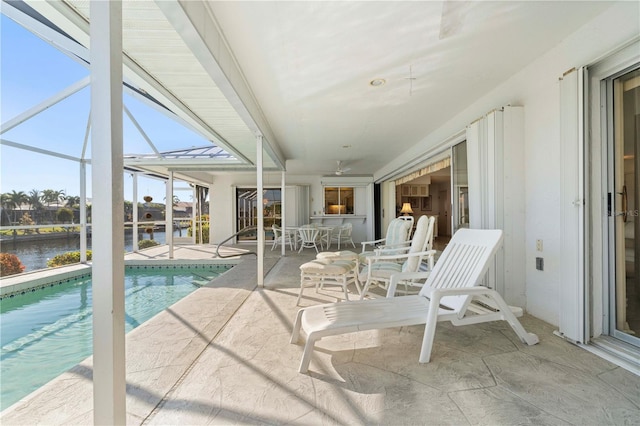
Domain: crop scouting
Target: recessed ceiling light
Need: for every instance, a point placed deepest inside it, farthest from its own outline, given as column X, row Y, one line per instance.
column 377, row 82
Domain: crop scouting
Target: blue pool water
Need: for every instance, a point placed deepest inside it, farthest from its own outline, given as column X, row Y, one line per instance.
column 46, row 332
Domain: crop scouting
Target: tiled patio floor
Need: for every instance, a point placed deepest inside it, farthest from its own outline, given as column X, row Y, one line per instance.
column 222, row 356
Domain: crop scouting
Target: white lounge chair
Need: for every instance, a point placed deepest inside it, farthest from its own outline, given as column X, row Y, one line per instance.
column 397, row 235
column 447, row 295
column 379, row 268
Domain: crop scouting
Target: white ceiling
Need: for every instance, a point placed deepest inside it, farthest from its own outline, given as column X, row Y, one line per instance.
column 299, row 72
column 309, row 64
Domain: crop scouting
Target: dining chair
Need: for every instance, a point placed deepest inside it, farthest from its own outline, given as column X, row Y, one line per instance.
column 308, row 237
column 324, row 236
column 342, row 235
column 281, row 236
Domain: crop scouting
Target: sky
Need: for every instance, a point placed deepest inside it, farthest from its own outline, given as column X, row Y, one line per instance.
column 31, row 71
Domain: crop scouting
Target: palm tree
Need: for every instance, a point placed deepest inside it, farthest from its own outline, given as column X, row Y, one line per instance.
column 35, row 200
column 17, row 198
column 60, row 196
column 5, row 200
column 73, row 201
column 51, row 196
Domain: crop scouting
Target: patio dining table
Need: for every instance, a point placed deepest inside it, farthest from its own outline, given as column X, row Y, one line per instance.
column 324, row 235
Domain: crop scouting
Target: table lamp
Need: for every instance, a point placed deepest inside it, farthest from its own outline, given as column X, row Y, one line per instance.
column 406, row 209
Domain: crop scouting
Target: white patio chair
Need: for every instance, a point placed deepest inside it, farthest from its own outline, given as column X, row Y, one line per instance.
column 308, row 237
column 397, row 236
column 447, row 295
column 324, row 236
column 342, row 235
column 409, row 219
column 379, row 268
column 281, row 236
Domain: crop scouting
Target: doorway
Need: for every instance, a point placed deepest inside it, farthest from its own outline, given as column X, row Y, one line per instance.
column 248, row 201
column 612, row 229
column 623, row 186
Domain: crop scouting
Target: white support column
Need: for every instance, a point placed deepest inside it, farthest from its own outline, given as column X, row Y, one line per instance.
column 283, row 215
column 260, row 209
column 135, row 212
column 109, row 386
column 196, row 215
column 83, row 212
column 210, row 227
column 168, row 214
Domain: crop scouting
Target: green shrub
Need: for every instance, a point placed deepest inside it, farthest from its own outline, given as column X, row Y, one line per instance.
column 66, row 258
column 64, row 215
column 10, row 264
column 143, row 244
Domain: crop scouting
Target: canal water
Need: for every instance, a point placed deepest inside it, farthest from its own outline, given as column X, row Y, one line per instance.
column 35, row 254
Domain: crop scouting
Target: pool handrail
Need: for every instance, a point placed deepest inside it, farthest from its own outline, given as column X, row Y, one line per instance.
column 245, row 229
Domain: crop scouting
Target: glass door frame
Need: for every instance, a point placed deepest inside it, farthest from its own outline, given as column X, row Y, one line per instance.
column 599, row 303
column 616, row 208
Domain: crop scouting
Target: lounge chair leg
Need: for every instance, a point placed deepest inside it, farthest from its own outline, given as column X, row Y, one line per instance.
column 344, row 286
column 526, row 337
column 429, row 331
column 365, row 289
column 295, row 334
column 301, row 288
column 306, row 355
column 356, row 279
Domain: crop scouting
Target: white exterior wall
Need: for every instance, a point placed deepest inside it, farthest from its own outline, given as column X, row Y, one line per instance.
column 536, row 88
column 222, row 201
column 613, row 28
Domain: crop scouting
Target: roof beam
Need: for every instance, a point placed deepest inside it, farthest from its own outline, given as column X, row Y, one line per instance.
column 74, row 24
column 39, row 150
column 196, row 24
column 47, row 103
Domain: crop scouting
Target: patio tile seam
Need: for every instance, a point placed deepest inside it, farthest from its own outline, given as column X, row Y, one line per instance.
column 622, row 394
column 195, row 360
column 504, row 389
column 395, row 373
column 507, row 385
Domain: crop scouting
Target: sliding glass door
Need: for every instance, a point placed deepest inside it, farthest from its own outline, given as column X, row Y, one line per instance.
column 623, row 164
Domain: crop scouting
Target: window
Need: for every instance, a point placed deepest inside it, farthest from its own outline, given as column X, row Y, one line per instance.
column 338, row 200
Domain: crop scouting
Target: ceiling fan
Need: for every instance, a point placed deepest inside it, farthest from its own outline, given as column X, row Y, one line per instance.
column 340, row 171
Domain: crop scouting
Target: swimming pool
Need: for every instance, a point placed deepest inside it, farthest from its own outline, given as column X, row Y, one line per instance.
column 45, row 332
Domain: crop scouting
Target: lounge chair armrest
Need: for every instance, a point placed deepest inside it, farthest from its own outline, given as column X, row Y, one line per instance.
column 373, row 243
column 402, row 276
column 391, row 252
column 397, row 245
column 392, row 248
column 474, row 291
column 372, row 259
